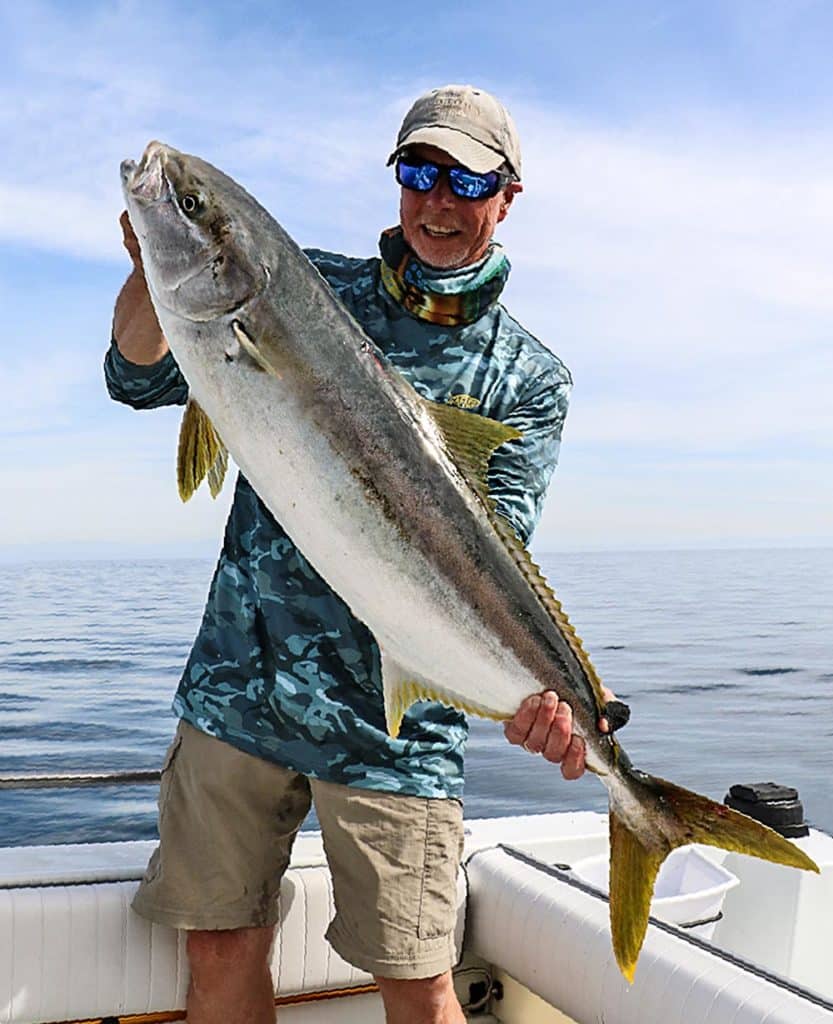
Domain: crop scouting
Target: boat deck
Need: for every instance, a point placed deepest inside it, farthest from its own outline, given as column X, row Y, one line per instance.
column 536, row 935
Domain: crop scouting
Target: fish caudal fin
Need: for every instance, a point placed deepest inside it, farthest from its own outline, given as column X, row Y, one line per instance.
column 673, row 817
column 633, row 871
column 201, row 453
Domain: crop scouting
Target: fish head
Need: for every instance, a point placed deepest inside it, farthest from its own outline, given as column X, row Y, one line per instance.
column 195, row 234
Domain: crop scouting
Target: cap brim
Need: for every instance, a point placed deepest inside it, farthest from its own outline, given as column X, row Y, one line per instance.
column 462, row 147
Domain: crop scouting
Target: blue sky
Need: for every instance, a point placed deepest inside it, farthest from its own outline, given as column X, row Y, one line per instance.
column 672, row 245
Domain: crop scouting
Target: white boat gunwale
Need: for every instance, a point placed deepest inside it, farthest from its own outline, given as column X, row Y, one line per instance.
column 564, row 875
column 547, row 844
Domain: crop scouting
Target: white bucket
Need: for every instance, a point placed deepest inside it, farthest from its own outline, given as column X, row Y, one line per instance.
column 689, row 890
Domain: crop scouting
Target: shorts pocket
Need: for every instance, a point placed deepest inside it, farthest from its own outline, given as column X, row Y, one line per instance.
column 443, row 852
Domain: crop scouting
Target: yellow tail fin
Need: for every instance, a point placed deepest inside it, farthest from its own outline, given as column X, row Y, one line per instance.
column 670, row 816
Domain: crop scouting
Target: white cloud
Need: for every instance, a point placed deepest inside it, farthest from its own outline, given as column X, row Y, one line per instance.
column 682, row 269
column 87, row 496
column 668, row 221
column 685, row 278
column 771, row 405
column 712, row 213
column 288, row 126
column 37, row 392
column 59, row 219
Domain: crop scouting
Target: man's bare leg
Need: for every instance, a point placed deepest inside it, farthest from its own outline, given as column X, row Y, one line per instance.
column 421, row 1000
column 230, row 980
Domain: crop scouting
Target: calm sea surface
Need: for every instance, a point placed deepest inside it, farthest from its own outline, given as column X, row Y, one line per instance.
column 726, row 658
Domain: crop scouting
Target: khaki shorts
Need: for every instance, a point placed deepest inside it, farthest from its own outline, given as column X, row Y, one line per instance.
column 227, row 821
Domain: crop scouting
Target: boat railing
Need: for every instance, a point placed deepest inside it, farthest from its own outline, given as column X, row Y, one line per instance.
column 77, row 780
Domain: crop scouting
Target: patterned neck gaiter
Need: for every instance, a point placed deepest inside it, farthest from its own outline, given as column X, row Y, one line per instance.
column 448, row 297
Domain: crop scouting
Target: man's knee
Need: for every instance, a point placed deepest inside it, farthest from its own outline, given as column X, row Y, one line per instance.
column 425, row 995
column 243, row 950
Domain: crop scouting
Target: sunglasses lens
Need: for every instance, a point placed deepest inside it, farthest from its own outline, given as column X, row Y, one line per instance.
column 469, row 185
column 420, row 177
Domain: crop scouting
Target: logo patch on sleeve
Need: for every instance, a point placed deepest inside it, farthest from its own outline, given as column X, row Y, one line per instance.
column 463, row 401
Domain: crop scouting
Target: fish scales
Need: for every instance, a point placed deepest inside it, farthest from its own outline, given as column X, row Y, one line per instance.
column 387, row 498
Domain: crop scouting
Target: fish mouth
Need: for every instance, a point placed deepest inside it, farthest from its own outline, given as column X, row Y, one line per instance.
column 146, row 181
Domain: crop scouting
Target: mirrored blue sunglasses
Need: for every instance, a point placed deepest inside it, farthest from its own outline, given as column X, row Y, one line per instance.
column 422, row 176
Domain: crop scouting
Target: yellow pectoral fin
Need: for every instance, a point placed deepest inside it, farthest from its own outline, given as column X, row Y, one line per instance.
column 201, row 453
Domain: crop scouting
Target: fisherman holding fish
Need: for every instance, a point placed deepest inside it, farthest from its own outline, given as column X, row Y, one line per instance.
column 280, row 703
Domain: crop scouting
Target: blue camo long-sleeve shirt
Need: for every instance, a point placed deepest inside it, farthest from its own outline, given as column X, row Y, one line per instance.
column 280, row 668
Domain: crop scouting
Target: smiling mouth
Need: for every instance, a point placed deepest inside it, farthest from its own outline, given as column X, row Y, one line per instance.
column 436, row 231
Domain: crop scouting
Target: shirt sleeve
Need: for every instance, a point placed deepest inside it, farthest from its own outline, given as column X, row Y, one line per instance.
column 520, row 470
column 144, row 387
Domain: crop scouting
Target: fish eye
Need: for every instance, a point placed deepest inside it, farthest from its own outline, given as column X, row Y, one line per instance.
column 191, row 203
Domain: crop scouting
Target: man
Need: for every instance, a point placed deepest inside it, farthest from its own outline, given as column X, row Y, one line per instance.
column 280, row 702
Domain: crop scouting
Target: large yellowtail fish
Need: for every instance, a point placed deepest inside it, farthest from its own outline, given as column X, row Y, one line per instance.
column 386, row 495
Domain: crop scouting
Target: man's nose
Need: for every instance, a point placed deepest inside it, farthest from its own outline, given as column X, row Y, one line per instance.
column 441, row 195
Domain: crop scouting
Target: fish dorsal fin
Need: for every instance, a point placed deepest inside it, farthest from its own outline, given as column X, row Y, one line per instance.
column 471, row 440
column 201, row 453
column 546, row 595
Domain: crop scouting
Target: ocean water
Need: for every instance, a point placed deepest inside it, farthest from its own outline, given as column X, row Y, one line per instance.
column 726, row 658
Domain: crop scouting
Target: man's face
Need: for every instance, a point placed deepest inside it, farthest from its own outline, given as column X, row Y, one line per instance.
column 443, row 229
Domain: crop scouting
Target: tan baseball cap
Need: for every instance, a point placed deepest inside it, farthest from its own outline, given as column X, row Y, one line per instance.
column 468, row 123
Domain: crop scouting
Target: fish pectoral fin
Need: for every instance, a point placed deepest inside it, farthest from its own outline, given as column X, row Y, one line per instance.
column 250, row 347
column 201, row 453
column 471, row 440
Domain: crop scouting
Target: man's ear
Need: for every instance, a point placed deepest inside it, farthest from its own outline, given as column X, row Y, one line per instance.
column 509, row 193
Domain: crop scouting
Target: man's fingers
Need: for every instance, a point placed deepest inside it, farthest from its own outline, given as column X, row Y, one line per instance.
column 544, row 725
column 128, row 234
column 517, row 728
column 130, row 241
column 560, row 734
column 538, row 735
column 572, row 766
